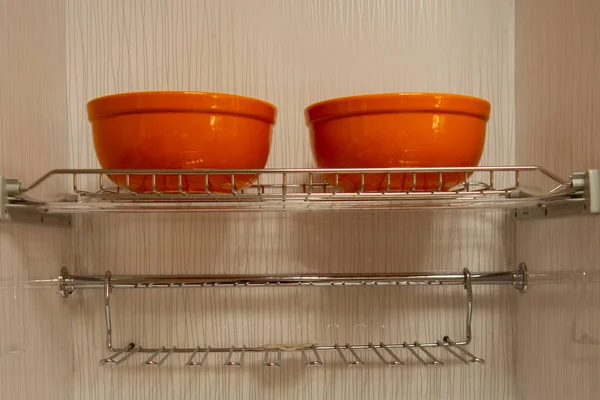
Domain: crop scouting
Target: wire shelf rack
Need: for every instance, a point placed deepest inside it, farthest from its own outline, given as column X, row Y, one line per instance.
column 349, row 354
column 93, row 190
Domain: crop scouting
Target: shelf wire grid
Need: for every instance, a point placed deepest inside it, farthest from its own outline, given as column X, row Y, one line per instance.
column 93, row 189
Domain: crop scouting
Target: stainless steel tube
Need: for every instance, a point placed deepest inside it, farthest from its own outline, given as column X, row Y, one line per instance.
column 191, row 281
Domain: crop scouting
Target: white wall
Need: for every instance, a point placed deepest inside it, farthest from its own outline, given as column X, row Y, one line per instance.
column 293, row 53
column 558, row 101
column 35, row 337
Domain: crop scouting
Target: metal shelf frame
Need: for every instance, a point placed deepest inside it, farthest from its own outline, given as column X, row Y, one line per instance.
column 91, row 191
column 348, row 353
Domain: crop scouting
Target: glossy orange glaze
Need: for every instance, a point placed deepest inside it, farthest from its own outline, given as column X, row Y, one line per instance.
column 181, row 130
column 398, row 130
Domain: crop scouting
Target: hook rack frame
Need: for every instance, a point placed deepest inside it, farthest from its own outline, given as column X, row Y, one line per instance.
column 348, row 353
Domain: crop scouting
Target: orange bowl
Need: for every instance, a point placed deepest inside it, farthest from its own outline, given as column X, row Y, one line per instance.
column 403, row 130
column 181, row 130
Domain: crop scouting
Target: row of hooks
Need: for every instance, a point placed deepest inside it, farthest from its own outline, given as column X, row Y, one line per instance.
column 310, row 355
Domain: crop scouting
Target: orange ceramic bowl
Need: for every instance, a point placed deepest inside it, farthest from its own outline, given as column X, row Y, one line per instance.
column 405, row 130
column 181, row 130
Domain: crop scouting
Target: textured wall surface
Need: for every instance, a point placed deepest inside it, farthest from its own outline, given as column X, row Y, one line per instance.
column 292, row 53
column 557, row 98
column 35, row 340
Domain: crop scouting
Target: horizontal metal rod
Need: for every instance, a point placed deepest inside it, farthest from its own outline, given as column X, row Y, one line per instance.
column 265, row 172
column 72, row 282
column 283, row 348
column 250, row 194
column 523, row 168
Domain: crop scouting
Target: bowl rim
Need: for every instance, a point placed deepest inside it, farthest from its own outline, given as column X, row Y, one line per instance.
column 393, row 102
column 184, row 101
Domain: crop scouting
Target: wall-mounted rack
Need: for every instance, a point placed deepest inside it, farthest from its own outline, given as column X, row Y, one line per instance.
column 91, row 190
column 349, row 354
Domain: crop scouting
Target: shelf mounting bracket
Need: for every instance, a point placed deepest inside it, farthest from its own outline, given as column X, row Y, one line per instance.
column 591, row 191
column 585, row 200
column 13, row 211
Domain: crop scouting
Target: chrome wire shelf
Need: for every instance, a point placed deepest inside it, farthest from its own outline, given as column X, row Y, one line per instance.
column 91, row 190
column 349, row 354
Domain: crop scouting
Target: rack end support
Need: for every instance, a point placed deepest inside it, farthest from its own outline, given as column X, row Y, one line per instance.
column 592, row 191
column 65, row 283
column 17, row 212
column 521, row 278
column 8, row 187
column 589, row 183
column 586, row 186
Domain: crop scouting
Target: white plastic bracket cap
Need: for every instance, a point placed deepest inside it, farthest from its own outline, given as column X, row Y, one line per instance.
column 8, row 187
column 592, row 191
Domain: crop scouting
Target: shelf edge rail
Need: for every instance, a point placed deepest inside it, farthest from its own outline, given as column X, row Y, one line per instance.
column 576, row 195
column 348, row 353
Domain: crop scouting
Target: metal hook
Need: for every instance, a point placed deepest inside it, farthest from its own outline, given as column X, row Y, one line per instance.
column 396, row 361
column 239, row 363
column 418, row 357
column 448, row 349
column 357, row 361
column 472, row 358
column 314, row 363
column 192, row 363
column 150, row 361
column 112, row 359
column 469, row 289
column 414, row 353
column 434, row 361
column 107, row 291
column 270, row 364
